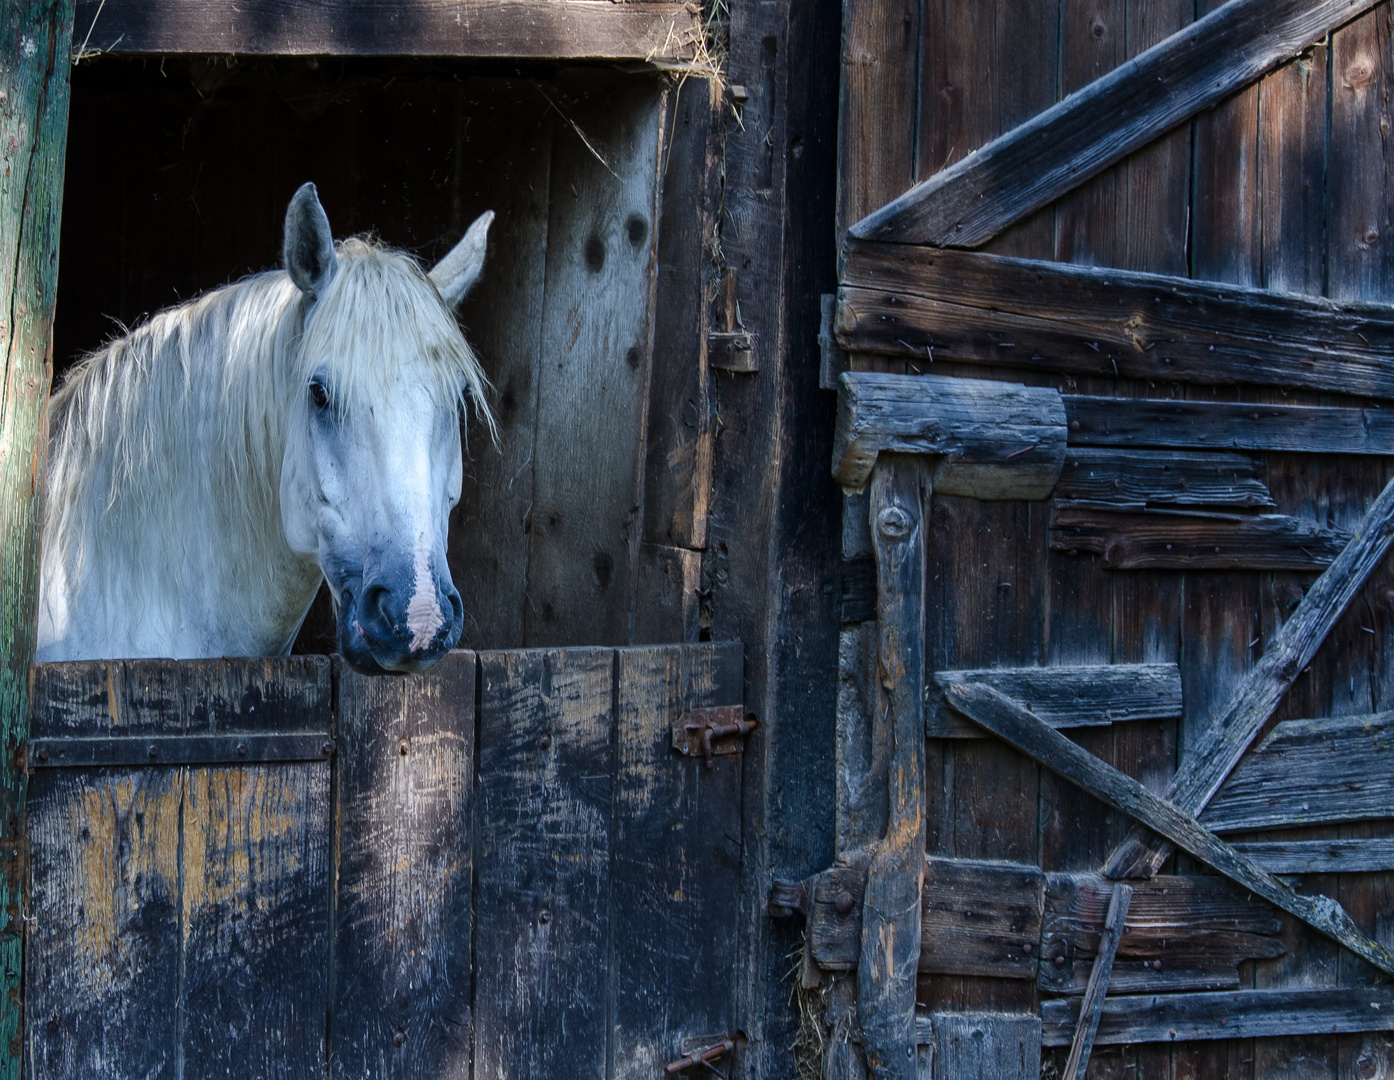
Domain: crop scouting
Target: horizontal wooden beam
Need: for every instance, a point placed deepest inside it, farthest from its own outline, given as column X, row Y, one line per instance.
column 1306, row 772
column 1179, row 540
column 1030, row 166
column 661, row 33
column 914, row 301
column 1215, row 425
column 1066, row 697
column 995, row 440
column 1230, row 733
column 1019, row 728
column 990, row 919
column 1112, row 479
column 1242, row 1014
column 1361, row 856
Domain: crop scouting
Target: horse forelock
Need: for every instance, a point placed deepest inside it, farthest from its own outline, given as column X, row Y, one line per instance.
column 381, row 321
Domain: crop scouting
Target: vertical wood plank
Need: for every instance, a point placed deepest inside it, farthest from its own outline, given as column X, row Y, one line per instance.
column 102, row 980
column 876, row 158
column 501, row 160
column 676, row 861
column 546, row 722
column 35, row 39
column 1360, row 265
column 677, row 472
column 401, row 971
column 255, row 921
column 596, row 348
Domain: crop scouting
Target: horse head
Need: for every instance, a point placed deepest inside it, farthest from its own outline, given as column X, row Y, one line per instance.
column 372, row 462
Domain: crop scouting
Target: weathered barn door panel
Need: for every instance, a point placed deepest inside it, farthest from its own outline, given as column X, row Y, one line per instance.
column 179, row 912
column 1216, row 539
column 270, row 868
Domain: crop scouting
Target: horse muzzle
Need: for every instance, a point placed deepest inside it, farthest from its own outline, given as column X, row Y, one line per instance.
column 396, row 627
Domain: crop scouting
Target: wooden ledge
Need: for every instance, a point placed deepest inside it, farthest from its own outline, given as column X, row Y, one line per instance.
column 997, row 440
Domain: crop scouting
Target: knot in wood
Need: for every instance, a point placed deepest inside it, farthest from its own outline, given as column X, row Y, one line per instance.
column 893, row 523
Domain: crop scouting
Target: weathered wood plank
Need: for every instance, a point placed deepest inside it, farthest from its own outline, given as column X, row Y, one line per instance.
column 1017, row 726
column 541, row 29
column 1142, row 479
column 986, row 1046
column 676, row 859
column 1087, row 695
column 597, row 345
column 1181, row 540
column 1306, row 772
column 1363, row 855
column 876, row 133
column 1242, row 1014
column 254, row 921
column 542, row 887
column 35, row 39
column 402, row 982
column 1092, row 1005
column 102, row 970
column 983, row 919
column 910, row 301
column 1215, row 425
column 502, row 162
column 1222, row 744
column 1023, row 170
column 1183, row 933
column 999, row 440
column 891, row 905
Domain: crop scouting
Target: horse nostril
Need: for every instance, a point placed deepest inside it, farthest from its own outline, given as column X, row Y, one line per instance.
column 375, row 604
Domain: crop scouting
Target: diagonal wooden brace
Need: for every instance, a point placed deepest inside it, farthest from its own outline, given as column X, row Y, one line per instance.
column 1229, row 735
column 1009, row 721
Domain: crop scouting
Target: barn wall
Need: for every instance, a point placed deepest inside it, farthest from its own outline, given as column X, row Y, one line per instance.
column 180, row 172
column 1285, row 186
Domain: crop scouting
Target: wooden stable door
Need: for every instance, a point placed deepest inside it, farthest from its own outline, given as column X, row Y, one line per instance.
column 508, row 867
column 1112, row 349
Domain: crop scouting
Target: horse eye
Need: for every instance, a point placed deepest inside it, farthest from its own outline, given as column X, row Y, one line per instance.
column 318, row 394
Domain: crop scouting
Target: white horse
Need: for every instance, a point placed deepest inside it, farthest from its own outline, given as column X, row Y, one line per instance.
column 210, row 468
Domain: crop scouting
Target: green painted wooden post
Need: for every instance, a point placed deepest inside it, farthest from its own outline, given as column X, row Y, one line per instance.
column 35, row 41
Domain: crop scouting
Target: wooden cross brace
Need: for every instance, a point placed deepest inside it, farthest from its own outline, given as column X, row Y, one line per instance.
column 1015, row 724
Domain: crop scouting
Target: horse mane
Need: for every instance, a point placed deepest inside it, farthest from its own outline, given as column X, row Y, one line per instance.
column 191, row 409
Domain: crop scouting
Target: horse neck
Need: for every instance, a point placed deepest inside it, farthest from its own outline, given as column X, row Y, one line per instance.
column 181, row 518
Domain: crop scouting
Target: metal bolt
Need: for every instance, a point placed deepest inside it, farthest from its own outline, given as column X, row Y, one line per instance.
column 241, row 749
column 1157, row 964
column 43, row 753
column 544, row 916
column 153, row 751
column 1059, row 961
column 1026, row 948
column 843, row 902
column 544, row 741
column 404, row 747
column 893, row 523
column 327, row 747
column 399, row 1037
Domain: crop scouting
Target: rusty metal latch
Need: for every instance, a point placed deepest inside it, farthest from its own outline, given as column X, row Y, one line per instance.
column 703, row 1057
column 712, row 732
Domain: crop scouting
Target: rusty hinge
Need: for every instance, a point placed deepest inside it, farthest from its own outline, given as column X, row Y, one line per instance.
column 703, row 1057
column 712, row 732
column 730, row 346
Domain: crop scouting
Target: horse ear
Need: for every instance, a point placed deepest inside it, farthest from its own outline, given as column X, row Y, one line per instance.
column 309, row 245
column 456, row 274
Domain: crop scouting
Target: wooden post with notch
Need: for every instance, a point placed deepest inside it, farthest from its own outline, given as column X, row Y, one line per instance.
column 35, row 39
column 890, row 951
